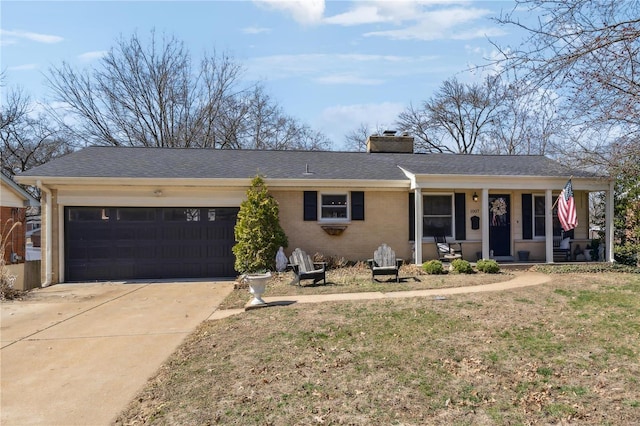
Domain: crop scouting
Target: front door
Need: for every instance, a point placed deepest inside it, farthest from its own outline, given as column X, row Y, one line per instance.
column 500, row 224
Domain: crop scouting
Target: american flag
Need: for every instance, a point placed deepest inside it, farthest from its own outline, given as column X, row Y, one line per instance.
column 567, row 208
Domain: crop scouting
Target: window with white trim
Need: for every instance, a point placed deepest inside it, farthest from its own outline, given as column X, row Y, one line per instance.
column 438, row 217
column 334, row 207
column 539, row 221
column 538, row 216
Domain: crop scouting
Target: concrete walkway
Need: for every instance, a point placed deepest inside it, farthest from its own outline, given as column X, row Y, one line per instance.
column 77, row 354
column 525, row 279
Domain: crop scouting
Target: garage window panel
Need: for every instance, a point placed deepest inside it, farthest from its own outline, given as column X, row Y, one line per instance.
column 182, row 214
column 223, row 214
column 78, row 214
column 136, row 214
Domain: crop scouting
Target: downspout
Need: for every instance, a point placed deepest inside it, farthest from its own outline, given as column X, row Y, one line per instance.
column 49, row 234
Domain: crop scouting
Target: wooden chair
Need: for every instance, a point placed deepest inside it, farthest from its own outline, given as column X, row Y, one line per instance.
column 384, row 262
column 305, row 268
column 447, row 251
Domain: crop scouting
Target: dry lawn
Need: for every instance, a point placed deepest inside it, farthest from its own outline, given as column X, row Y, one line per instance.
column 357, row 279
column 565, row 352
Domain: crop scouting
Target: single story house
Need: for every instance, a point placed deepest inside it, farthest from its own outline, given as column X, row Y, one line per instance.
column 117, row 213
column 14, row 202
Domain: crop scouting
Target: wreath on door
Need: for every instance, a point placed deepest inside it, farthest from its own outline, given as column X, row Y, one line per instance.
column 498, row 211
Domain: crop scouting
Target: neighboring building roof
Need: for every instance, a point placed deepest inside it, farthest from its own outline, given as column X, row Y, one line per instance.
column 29, row 200
column 124, row 162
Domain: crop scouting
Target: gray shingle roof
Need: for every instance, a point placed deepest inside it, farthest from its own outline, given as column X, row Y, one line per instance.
column 209, row 163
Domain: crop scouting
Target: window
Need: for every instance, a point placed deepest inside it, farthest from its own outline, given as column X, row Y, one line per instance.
column 334, row 206
column 438, row 215
column 182, row 214
column 538, row 216
column 539, row 224
column 222, row 214
column 87, row 214
column 136, row 214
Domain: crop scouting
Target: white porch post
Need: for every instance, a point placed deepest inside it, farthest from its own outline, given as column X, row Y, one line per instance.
column 47, row 241
column 548, row 226
column 608, row 222
column 418, row 225
column 484, row 200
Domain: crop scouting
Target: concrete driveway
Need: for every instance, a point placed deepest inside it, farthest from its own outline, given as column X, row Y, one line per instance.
column 76, row 354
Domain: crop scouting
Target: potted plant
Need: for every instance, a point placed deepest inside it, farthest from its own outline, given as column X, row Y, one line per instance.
column 258, row 237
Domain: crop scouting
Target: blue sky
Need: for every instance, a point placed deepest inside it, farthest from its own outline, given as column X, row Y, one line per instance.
column 331, row 64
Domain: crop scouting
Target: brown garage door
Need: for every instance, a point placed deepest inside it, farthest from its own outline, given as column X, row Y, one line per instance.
column 120, row 243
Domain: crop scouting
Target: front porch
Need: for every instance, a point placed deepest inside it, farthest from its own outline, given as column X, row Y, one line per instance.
column 512, row 222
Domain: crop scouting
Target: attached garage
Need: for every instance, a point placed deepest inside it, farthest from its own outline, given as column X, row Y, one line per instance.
column 121, row 243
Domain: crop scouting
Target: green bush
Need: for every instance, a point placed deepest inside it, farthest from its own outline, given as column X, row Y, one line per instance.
column 488, row 266
column 627, row 254
column 258, row 232
column 433, row 267
column 461, row 266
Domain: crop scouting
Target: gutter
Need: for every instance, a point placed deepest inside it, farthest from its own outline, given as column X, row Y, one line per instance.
column 49, row 234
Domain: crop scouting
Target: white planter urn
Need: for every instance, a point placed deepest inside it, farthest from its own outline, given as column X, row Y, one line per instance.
column 257, row 286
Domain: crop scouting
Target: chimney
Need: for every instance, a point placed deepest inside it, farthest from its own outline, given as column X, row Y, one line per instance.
column 390, row 142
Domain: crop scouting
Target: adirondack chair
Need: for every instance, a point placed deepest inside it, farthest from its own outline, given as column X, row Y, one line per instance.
column 447, row 251
column 305, row 268
column 384, row 262
column 561, row 248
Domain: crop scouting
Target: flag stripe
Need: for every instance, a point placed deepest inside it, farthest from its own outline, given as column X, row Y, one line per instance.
column 567, row 208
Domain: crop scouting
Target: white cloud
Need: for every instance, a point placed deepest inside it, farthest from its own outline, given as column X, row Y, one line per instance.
column 7, row 41
column 439, row 24
column 374, row 12
column 479, row 33
column 23, row 67
column 303, row 11
column 11, row 37
column 256, row 30
column 368, row 14
column 92, row 56
column 321, row 66
column 348, row 79
column 414, row 20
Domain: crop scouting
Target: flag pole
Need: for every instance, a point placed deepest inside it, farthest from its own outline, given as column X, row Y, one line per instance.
column 554, row 204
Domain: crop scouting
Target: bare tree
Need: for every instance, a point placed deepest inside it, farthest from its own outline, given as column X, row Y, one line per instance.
column 588, row 52
column 456, row 118
column 152, row 95
column 356, row 140
column 527, row 123
column 28, row 139
column 417, row 122
column 14, row 107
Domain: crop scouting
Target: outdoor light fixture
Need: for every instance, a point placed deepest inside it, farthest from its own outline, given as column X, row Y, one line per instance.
column 474, row 196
